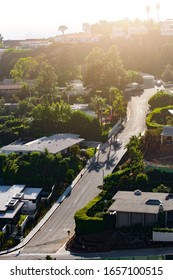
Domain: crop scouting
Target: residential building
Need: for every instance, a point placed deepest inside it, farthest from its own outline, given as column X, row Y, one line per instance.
column 118, row 32
column 78, row 38
column 167, row 135
column 137, row 30
column 129, row 31
column 54, row 144
column 34, row 44
column 167, row 28
column 141, row 208
column 8, row 90
column 15, row 200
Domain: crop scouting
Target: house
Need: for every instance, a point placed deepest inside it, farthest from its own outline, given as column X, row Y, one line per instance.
column 167, row 135
column 54, row 144
column 31, row 199
column 144, row 208
column 81, row 37
column 7, row 91
column 167, row 28
column 34, row 44
column 14, row 201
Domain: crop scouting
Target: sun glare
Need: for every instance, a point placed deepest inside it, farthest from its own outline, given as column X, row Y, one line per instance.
column 37, row 15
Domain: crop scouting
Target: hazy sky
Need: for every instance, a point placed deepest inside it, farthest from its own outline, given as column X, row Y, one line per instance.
column 41, row 18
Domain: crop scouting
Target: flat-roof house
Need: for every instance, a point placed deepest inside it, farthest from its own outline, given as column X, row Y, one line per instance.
column 132, row 208
column 32, row 197
column 15, row 200
column 54, row 144
column 8, row 90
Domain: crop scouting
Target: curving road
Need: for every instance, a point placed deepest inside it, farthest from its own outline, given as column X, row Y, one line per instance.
column 53, row 234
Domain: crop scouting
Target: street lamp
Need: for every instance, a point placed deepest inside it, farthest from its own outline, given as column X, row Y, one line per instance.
column 68, row 232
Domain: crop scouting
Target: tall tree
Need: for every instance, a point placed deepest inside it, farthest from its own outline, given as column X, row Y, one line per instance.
column 158, row 11
column 117, row 102
column 62, row 28
column 38, row 69
column 148, row 12
column 114, row 74
column 98, row 104
column 24, row 69
column 94, row 69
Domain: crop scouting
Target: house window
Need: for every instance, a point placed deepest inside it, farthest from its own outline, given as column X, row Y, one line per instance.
column 169, row 139
column 170, row 215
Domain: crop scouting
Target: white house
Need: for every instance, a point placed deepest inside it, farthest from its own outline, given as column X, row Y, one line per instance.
column 167, row 28
column 54, row 144
column 15, row 200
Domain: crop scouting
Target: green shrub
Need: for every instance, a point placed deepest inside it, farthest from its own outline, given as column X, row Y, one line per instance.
column 86, row 224
column 160, row 99
column 115, row 177
column 163, row 229
column 158, row 114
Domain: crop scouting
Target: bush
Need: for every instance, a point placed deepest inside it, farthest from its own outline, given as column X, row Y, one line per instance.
column 160, row 99
column 141, row 180
column 86, row 224
column 115, row 177
column 162, row 229
column 158, row 115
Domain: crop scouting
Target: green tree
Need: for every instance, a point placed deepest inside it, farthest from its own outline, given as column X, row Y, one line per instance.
column 167, row 75
column 24, row 69
column 162, row 189
column 134, row 150
column 86, row 126
column 98, row 104
column 134, row 76
column 39, row 69
column 141, row 181
column 9, row 58
column 94, row 69
column 160, row 99
column 117, row 102
column 114, row 74
column 46, row 81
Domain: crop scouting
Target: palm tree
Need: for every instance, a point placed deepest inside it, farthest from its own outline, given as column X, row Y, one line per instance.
column 158, row 9
column 98, row 103
column 148, row 12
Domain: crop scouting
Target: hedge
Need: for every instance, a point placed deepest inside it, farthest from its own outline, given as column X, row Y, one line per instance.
column 86, row 224
column 152, row 124
column 163, row 229
column 114, row 177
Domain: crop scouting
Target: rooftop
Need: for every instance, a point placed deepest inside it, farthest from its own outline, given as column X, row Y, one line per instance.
column 167, row 131
column 31, row 193
column 10, row 87
column 7, row 192
column 141, row 202
column 54, row 144
column 13, row 197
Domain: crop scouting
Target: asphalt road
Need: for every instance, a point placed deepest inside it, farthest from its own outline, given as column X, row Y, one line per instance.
column 51, row 237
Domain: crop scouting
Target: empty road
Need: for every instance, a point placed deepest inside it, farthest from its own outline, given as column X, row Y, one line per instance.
column 53, row 234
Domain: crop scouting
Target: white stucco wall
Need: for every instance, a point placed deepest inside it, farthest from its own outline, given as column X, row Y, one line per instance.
column 163, row 236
